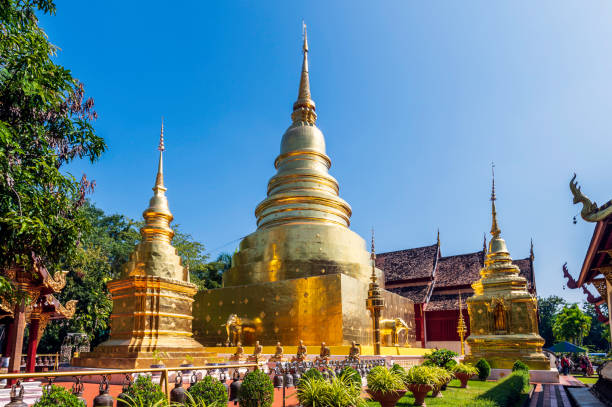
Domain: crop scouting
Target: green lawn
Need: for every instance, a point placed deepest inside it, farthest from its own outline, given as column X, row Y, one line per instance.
column 586, row 380
column 452, row 396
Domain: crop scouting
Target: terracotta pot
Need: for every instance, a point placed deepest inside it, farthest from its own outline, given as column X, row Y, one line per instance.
column 419, row 391
column 463, row 378
column 387, row 399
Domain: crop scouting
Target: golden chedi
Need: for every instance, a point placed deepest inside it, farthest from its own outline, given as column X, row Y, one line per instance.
column 503, row 314
column 152, row 301
column 303, row 274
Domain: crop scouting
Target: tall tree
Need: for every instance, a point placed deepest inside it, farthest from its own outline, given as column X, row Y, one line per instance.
column 571, row 325
column 548, row 308
column 45, row 123
column 599, row 335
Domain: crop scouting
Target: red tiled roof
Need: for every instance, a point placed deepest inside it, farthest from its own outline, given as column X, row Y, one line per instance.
column 445, row 302
column 408, row 264
column 526, row 270
column 459, row 270
column 416, row 293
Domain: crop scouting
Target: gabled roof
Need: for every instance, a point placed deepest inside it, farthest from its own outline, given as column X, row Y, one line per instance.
column 408, row 264
column 445, row 302
column 463, row 269
column 417, row 293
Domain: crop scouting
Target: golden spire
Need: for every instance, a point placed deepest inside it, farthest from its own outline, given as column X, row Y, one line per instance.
column 304, row 107
column 494, row 228
column 373, row 257
column 158, row 216
column 438, row 238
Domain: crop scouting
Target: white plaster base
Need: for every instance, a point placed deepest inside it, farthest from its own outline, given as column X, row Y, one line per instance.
column 540, row 376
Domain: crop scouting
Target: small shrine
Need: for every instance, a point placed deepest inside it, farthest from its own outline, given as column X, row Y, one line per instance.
column 503, row 313
column 152, row 300
column 42, row 306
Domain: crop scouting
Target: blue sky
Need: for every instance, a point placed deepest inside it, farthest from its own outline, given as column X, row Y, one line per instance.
column 415, row 98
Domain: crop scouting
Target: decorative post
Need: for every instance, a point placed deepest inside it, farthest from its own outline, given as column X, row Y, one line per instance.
column 461, row 328
column 33, row 343
column 375, row 302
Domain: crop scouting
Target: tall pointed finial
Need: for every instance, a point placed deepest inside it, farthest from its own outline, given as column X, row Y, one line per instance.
column 531, row 254
column 484, row 242
column 438, row 238
column 159, row 179
column 373, row 252
column 304, row 107
column 494, row 228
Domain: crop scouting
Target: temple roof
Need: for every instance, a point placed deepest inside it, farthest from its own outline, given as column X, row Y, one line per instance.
column 408, row 264
column 417, row 293
column 459, row 270
column 445, row 302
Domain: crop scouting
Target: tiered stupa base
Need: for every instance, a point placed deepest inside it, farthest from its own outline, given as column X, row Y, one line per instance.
column 502, row 351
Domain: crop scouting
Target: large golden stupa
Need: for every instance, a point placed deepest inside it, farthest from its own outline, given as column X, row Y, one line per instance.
column 503, row 314
column 152, row 301
column 303, row 274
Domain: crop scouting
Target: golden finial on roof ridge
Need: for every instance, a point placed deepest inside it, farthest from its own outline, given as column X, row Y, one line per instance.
column 373, row 257
column 304, row 107
column 494, row 228
column 438, row 238
column 159, row 179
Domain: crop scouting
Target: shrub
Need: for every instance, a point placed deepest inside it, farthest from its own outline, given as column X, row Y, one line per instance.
column 382, row 380
column 441, row 375
column 58, row 397
column 484, row 369
column 398, row 370
column 450, row 365
column 507, row 391
column 341, row 391
column 518, row 365
column 209, row 390
column 465, row 368
column 421, row 375
column 439, row 357
column 144, row 391
column 257, row 390
column 351, row 374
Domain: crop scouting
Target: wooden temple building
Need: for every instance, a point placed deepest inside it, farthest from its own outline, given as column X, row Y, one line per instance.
column 597, row 266
column 434, row 283
column 40, row 287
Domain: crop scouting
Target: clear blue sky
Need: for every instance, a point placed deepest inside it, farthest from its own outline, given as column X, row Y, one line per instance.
column 415, row 98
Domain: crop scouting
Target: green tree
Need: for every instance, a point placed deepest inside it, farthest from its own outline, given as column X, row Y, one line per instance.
column 548, row 308
column 571, row 325
column 599, row 335
column 45, row 123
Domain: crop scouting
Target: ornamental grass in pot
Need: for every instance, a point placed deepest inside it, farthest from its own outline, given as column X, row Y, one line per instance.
column 463, row 371
column 420, row 380
column 443, row 377
column 385, row 386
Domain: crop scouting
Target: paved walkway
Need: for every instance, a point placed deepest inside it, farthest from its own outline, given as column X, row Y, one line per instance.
column 549, row 395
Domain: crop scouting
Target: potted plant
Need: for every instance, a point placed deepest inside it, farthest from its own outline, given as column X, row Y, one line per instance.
column 385, row 386
column 420, row 380
column 343, row 390
column 189, row 363
column 257, row 390
column 158, row 358
column 463, row 371
column 442, row 377
column 144, row 392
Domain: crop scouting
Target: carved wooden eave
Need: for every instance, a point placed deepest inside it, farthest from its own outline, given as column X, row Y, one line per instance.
column 51, row 305
column 600, row 286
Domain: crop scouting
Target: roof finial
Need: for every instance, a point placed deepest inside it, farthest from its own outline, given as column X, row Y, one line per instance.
column 484, row 242
column 373, row 252
column 304, row 107
column 159, row 180
column 494, row 228
column 438, row 238
column 531, row 254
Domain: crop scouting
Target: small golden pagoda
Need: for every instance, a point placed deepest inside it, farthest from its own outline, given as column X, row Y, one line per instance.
column 152, row 301
column 503, row 314
column 303, row 274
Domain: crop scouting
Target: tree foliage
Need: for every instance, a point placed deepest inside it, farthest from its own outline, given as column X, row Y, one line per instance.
column 45, row 123
column 599, row 335
column 571, row 325
column 548, row 308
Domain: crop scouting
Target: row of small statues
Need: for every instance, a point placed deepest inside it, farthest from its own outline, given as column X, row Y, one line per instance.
column 300, row 356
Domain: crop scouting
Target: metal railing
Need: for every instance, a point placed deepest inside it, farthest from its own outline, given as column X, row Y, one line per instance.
column 106, row 374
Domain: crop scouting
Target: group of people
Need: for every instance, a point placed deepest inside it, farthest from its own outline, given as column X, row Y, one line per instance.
column 567, row 363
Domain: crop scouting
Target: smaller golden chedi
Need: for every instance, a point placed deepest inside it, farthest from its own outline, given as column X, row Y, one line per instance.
column 503, row 314
column 324, row 354
column 301, row 353
column 152, row 300
column 278, row 354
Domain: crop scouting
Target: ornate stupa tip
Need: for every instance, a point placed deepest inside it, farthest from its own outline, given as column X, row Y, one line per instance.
column 158, row 216
column 497, row 244
column 304, row 107
column 373, row 257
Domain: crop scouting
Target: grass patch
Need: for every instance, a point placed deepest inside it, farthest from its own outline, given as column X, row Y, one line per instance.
column 586, row 380
column 453, row 396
